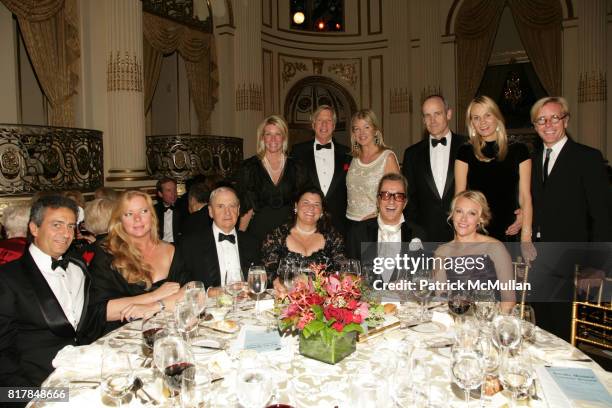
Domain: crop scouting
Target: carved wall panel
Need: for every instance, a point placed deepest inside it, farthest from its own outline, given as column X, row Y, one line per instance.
column 44, row 158
column 185, row 156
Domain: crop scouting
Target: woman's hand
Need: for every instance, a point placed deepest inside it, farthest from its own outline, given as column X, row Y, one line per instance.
column 165, row 290
column 245, row 220
column 528, row 250
column 134, row 311
column 515, row 227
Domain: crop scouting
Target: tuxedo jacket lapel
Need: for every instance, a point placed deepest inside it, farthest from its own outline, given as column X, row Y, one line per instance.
column 311, row 164
column 48, row 304
column 86, row 287
column 449, row 186
column 427, row 167
column 561, row 159
column 338, row 170
column 216, row 269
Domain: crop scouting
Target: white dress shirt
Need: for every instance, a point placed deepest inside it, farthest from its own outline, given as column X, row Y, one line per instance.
column 325, row 163
column 68, row 285
column 438, row 157
column 229, row 257
column 556, row 149
column 168, row 233
column 389, row 243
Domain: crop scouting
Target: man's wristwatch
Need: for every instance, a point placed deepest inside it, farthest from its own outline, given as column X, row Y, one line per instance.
column 162, row 305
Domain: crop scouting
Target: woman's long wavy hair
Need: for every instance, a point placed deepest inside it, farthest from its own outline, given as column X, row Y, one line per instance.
column 501, row 134
column 324, row 223
column 127, row 259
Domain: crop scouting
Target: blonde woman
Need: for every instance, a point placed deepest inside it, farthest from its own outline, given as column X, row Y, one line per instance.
column 372, row 159
column 134, row 273
column 500, row 170
column 490, row 261
column 268, row 182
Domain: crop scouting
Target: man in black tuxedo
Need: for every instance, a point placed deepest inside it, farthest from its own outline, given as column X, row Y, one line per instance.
column 219, row 251
column 170, row 210
column 43, row 297
column 568, row 188
column 198, row 219
column 429, row 167
column 387, row 235
column 327, row 162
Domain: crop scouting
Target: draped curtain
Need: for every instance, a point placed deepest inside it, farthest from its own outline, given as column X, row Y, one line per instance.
column 539, row 26
column 51, row 35
column 197, row 48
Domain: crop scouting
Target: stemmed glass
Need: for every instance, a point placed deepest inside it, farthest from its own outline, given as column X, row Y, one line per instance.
column 351, row 267
column 516, row 375
column 459, row 303
column 116, row 374
column 234, row 288
column 285, row 272
column 254, row 387
column 257, row 280
column 195, row 293
column 485, row 305
column 151, row 328
column 195, row 387
column 172, row 356
column 490, row 357
column 506, row 332
column 526, row 316
column 467, row 370
column 423, row 280
column 186, row 315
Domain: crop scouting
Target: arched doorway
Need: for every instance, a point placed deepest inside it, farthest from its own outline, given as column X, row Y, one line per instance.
column 306, row 96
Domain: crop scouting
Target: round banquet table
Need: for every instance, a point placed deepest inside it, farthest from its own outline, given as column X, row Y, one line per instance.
column 300, row 381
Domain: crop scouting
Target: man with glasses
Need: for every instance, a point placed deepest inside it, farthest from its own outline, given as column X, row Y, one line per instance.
column 568, row 188
column 389, row 229
column 429, row 167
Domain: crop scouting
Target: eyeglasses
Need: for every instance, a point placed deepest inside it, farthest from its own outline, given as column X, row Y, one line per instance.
column 386, row 196
column 554, row 119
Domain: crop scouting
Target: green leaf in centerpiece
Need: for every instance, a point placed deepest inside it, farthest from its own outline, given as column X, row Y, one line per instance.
column 353, row 327
column 318, row 311
column 313, row 327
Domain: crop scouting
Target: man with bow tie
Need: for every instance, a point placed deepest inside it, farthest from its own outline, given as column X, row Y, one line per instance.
column 170, row 210
column 43, row 297
column 327, row 163
column 221, row 253
column 429, row 167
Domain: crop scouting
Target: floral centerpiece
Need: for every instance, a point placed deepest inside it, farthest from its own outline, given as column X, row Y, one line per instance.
column 329, row 311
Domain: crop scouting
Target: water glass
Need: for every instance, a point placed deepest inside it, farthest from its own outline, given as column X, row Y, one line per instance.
column 507, row 332
column 234, row 288
column 195, row 387
column 195, row 293
column 467, row 370
column 516, row 374
column 257, row 281
column 526, row 315
column 186, row 315
column 467, row 332
column 424, row 281
column 254, row 387
column 116, row 375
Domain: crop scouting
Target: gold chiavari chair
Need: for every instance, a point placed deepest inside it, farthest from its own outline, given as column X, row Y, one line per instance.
column 592, row 308
column 521, row 275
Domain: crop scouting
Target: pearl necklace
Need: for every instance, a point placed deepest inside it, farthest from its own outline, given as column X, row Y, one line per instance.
column 268, row 166
column 304, row 232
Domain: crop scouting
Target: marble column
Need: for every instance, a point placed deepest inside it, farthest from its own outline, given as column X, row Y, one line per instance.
column 125, row 98
column 592, row 86
column 248, row 72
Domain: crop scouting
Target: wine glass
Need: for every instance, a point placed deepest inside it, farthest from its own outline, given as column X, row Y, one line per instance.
column 351, row 267
column 234, row 287
column 222, row 302
column 526, row 316
column 254, row 387
column 195, row 386
column 516, row 375
column 467, row 332
column 116, row 374
column 195, row 293
column 485, row 305
column 151, row 328
column 257, row 280
column 186, row 315
column 285, row 273
column 490, row 358
column 424, row 284
column 506, row 332
column 172, row 356
column 467, row 370
column 459, row 302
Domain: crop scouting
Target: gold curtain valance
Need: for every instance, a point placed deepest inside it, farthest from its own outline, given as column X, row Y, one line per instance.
column 197, row 48
column 50, row 32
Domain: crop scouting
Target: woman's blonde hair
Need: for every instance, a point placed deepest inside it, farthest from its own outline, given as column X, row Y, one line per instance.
column 127, row 259
column 478, row 198
column 370, row 117
column 97, row 215
column 475, row 140
column 280, row 123
column 15, row 220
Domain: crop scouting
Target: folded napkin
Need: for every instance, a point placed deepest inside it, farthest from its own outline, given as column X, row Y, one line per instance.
column 81, row 358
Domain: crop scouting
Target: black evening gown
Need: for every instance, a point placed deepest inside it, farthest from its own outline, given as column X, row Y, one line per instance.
column 274, row 249
column 498, row 181
column 108, row 283
column 272, row 204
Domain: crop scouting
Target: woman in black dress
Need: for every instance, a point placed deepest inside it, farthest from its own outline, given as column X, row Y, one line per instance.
column 501, row 171
column 309, row 238
column 268, row 182
column 134, row 273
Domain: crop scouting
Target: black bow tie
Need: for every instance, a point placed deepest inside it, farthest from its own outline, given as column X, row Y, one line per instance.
column 230, row 237
column 62, row 263
column 435, row 142
column 323, row 146
column 170, row 207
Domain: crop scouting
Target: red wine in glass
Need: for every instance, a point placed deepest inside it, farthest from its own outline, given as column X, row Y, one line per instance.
column 173, row 375
column 149, row 336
